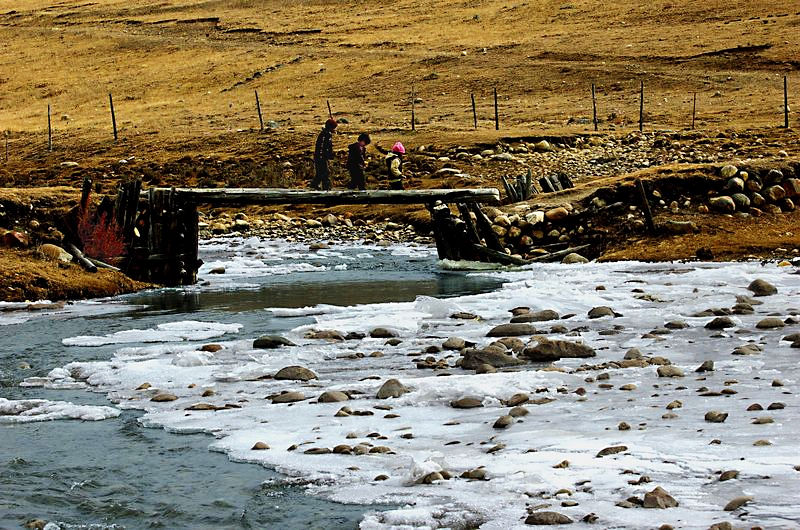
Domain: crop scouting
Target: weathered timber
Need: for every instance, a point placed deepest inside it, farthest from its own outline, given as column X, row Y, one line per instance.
column 499, row 257
column 264, row 196
column 648, row 215
column 80, row 258
column 485, row 229
column 557, row 255
column 472, row 231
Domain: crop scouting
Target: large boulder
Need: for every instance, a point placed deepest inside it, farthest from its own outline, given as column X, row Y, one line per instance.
column 333, row 396
column 552, row 350
column 537, row 316
column 473, row 359
column 547, row 519
column 574, row 257
column 556, row 214
column 295, row 373
column 775, row 193
column 602, row 311
column 391, row 389
column 723, row 204
column 382, row 333
column 659, row 498
column 728, row 171
column 761, row 287
column 511, row 330
column 54, row 253
column 268, row 342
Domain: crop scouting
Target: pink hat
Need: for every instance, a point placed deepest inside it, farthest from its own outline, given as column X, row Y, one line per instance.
column 398, row 148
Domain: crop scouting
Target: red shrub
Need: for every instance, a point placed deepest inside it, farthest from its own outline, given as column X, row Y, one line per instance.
column 101, row 237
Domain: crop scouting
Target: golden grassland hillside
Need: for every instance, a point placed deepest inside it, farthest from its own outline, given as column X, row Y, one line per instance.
column 183, row 73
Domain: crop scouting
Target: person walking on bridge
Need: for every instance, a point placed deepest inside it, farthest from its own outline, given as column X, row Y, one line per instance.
column 357, row 162
column 394, row 166
column 323, row 152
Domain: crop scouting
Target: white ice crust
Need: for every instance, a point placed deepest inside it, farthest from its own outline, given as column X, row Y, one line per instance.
column 30, row 410
column 676, row 454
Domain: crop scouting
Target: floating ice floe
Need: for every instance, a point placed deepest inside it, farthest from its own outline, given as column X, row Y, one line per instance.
column 168, row 332
column 30, row 410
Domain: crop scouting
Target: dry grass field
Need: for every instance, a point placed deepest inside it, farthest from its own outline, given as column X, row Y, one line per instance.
column 183, row 73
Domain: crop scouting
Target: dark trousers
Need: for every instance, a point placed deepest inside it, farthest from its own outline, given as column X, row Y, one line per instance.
column 322, row 176
column 357, row 179
column 395, row 184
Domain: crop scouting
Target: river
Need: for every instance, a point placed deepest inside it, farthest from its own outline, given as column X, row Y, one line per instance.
column 118, row 474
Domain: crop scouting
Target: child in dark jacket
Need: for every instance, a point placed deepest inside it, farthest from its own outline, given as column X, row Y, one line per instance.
column 356, row 162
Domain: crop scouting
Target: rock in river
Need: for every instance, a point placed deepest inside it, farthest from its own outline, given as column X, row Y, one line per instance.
column 737, row 503
column 770, row 323
column 547, row 518
column 271, row 341
column 659, row 498
column 602, row 311
column 669, row 371
column 392, row 389
column 295, row 373
column 288, row 397
column 475, row 358
column 551, row 350
column 714, row 416
column 382, row 333
column 720, row 323
column 762, row 288
column 333, row 396
column 466, row 403
column 511, row 330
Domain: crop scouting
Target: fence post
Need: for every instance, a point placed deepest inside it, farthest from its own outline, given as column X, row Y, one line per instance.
column 258, row 107
column 496, row 114
column 786, row 101
column 49, row 130
column 113, row 116
column 474, row 112
column 413, row 114
column 594, row 108
column 641, row 106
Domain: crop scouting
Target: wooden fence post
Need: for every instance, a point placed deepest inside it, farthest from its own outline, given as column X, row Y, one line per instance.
column 641, row 106
column 413, row 114
column 49, row 130
column 648, row 215
column 694, row 108
column 474, row 112
column 496, row 114
column 113, row 116
column 786, row 101
column 258, row 107
column 594, row 108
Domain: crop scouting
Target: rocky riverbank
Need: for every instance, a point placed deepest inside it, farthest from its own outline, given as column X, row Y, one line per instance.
column 705, row 192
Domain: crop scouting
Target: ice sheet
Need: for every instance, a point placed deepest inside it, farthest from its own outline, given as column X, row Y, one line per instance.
column 678, row 453
column 30, row 410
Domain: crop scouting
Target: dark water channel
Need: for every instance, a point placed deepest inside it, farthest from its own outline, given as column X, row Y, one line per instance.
column 116, row 473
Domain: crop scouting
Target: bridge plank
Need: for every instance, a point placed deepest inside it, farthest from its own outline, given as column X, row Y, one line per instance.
column 265, row 196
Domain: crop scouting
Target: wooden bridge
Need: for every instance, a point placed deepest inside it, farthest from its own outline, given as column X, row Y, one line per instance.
column 160, row 225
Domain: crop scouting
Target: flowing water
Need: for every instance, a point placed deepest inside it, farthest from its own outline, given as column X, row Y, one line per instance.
column 117, row 473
